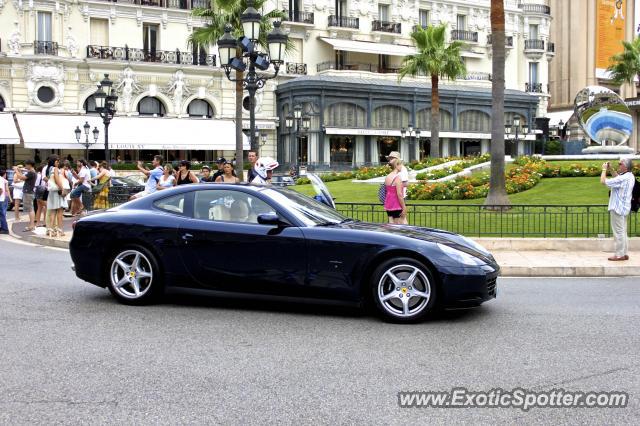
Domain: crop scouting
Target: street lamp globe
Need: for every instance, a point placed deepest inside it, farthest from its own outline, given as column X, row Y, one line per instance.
column 297, row 111
column 78, row 132
column 250, row 19
column 227, row 46
column 107, row 85
column 86, row 127
column 417, row 133
column 507, row 128
column 410, row 128
column 95, row 132
column 306, row 122
column 403, row 132
column 277, row 42
column 516, row 121
column 100, row 96
column 289, row 121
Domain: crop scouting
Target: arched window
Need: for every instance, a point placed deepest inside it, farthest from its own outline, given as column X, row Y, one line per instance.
column 423, row 119
column 390, row 117
column 474, row 121
column 345, row 115
column 90, row 105
column 151, row 107
column 2, row 105
column 199, row 108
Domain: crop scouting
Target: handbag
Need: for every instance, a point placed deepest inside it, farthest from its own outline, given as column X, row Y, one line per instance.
column 66, row 188
column 51, row 185
column 382, row 193
column 99, row 186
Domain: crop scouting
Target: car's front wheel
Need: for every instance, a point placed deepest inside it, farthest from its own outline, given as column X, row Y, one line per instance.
column 403, row 290
column 134, row 276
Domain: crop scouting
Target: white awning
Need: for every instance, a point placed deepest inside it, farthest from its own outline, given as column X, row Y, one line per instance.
column 55, row 131
column 348, row 131
column 471, row 54
column 368, row 47
column 8, row 132
column 555, row 117
column 260, row 125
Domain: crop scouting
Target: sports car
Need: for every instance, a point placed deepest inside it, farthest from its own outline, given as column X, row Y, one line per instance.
column 267, row 242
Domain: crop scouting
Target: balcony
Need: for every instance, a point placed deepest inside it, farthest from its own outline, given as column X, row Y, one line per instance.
column 541, row 9
column 533, row 88
column 298, row 17
column 344, row 22
column 534, row 48
column 464, row 35
column 418, row 27
column 167, row 4
column 508, row 40
column 45, row 48
column 295, row 68
column 551, row 49
column 142, row 55
column 386, row 27
column 356, row 66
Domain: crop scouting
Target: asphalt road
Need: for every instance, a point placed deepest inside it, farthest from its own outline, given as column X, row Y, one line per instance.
column 71, row 354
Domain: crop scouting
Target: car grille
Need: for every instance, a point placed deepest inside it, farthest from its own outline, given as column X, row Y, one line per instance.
column 492, row 284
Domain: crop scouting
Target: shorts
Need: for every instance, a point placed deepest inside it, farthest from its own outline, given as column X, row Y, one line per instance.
column 78, row 191
column 17, row 194
column 27, row 203
column 394, row 213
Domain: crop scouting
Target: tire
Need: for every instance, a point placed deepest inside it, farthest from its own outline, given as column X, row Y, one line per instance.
column 133, row 276
column 403, row 290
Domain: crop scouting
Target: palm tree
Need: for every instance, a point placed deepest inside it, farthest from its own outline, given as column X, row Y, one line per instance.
column 219, row 14
column 625, row 66
column 435, row 59
column 497, row 187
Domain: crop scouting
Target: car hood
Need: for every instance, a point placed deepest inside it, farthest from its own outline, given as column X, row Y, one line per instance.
column 431, row 235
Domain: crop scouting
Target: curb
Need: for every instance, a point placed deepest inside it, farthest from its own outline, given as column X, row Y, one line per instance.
column 570, row 271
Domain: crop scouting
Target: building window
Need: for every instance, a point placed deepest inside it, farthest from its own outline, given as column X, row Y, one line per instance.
column 151, row 107
column 474, row 121
column 533, row 32
column 46, row 94
column 199, row 108
column 383, row 12
column 390, row 117
column 90, row 105
column 533, row 72
column 44, row 26
column 99, row 32
column 341, row 149
column 199, row 54
column 2, row 104
column 461, row 21
column 424, row 18
column 345, row 115
column 150, row 40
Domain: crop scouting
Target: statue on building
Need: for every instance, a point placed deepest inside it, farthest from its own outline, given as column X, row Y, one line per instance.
column 14, row 41
column 127, row 86
column 72, row 45
column 178, row 89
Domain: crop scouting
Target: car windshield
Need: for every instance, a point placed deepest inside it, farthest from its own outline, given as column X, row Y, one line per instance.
column 306, row 209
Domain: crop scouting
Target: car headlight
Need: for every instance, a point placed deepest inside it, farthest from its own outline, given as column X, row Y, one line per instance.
column 475, row 245
column 460, row 256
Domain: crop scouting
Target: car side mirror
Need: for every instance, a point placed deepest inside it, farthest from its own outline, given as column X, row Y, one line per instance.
column 269, row 219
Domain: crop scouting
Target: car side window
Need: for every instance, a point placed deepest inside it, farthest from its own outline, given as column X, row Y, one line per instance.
column 228, row 206
column 173, row 204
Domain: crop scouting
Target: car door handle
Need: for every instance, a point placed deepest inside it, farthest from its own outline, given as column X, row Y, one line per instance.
column 187, row 237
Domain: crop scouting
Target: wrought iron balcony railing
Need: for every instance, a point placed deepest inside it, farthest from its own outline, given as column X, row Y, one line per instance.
column 416, row 27
column 534, row 44
column 143, row 55
column 45, row 47
column 535, row 8
column 464, row 35
column 387, row 27
column 533, row 87
column 356, row 66
column 298, row 16
column 295, row 68
column 508, row 40
column 478, row 76
column 344, row 22
column 168, row 4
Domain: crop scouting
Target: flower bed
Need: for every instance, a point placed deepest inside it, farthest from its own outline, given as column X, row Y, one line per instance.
column 456, row 168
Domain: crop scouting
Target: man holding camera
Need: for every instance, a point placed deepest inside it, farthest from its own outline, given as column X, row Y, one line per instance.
column 621, row 185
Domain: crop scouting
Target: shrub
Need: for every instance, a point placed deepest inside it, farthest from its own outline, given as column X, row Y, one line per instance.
column 553, row 147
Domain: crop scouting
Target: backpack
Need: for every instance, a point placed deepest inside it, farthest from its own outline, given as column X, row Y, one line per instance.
column 635, row 196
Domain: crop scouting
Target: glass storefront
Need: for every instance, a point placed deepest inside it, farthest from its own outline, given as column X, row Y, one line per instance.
column 470, row 148
column 303, row 149
column 425, row 148
column 386, row 144
column 341, row 149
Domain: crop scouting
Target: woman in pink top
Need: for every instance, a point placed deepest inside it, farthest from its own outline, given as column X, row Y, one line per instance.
column 394, row 200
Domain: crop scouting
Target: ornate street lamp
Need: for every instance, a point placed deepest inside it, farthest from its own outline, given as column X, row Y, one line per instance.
column 302, row 123
column 228, row 48
column 517, row 129
column 86, row 142
column 414, row 134
column 106, row 106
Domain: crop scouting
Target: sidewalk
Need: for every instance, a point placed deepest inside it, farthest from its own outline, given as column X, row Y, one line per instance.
column 518, row 257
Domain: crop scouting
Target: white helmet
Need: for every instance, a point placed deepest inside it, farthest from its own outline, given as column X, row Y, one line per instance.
column 264, row 164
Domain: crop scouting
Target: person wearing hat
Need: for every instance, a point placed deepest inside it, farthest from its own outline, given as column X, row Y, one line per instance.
column 206, row 174
column 220, row 161
column 393, row 158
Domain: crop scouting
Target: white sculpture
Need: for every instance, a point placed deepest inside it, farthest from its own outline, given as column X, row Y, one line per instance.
column 127, row 87
column 45, row 72
column 178, row 87
column 14, row 41
column 72, row 44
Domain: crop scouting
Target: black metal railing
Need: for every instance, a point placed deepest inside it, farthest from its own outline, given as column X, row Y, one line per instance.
column 551, row 47
column 45, row 47
column 464, row 35
column 143, row 55
column 298, row 16
column 535, row 8
column 295, row 68
column 534, row 44
column 344, row 22
column 508, row 40
column 519, row 221
column 387, row 27
column 168, row 4
column 533, row 87
column 356, row 66
column 417, row 27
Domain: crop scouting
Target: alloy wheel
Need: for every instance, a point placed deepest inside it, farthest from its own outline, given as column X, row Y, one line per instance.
column 131, row 274
column 404, row 290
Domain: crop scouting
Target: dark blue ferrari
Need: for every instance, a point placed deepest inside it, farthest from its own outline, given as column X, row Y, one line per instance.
column 270, row 242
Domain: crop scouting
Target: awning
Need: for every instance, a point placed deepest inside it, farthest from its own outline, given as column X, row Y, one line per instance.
column 555, row 117
column 348, row 131
column 471, row 54
column 8, row 132
column 368, row 47
column 55, row 131
column 260, row 125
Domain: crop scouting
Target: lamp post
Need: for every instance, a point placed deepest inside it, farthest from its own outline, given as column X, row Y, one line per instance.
column 86, row 143
column 106, row 106
column 414, row 134
column 263, row 139
column 247, row 46
column 297, row 121
column 517, row 129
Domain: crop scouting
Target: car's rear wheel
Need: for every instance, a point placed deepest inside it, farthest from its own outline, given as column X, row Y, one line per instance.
column 134, row 276
column 403, row 290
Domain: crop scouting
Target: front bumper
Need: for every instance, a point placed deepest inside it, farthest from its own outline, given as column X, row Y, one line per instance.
column 469, row 287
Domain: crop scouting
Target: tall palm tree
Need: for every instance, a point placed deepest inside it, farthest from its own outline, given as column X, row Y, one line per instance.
column 220, row 13
column 625, row 66
column 435, row 58
column 497, row 186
